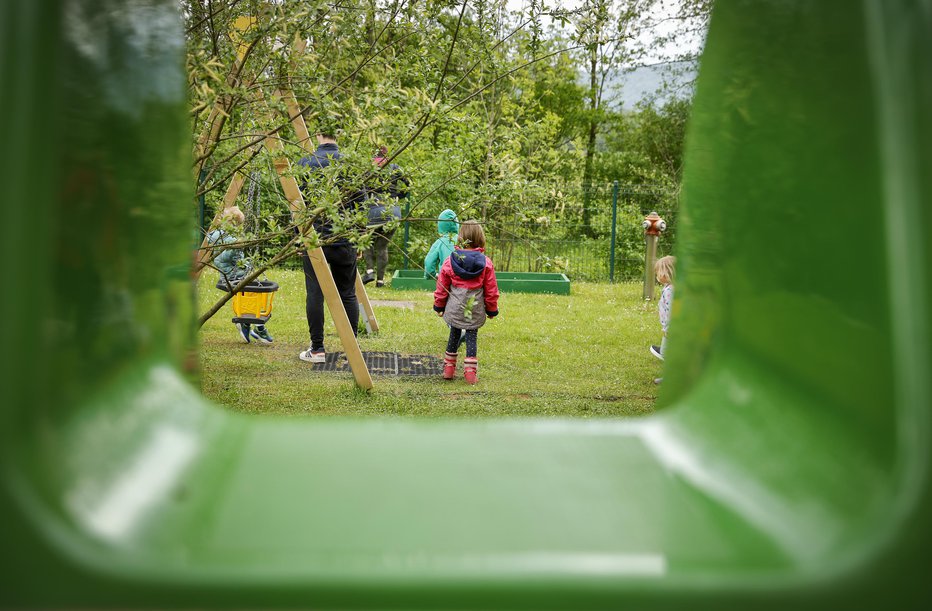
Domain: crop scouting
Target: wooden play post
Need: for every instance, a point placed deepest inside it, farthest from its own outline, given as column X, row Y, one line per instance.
column 316, row 256
column 304, row 140
column 365, row 308
column 653, row 226
column 229, row 198
column 321, row 269
column 340, row 319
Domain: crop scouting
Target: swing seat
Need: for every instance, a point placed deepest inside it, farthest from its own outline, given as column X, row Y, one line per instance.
column 253, row 305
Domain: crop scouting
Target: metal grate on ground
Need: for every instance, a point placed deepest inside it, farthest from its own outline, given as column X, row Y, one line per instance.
column 386, row 364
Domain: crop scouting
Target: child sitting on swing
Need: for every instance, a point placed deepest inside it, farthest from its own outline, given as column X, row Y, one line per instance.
column 233, row 267
column 467, row 294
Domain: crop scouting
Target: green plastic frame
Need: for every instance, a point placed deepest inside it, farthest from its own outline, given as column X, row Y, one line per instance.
column 789, row 468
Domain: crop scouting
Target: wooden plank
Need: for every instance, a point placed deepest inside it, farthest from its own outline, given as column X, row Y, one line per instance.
column 229, row 200
column 340, row 319
column 322, row 270
column 217, row 117
column 304, row 139
column 289, row 185
column 291, row 102
column 651, row 257
column 372, row 324
column 297, row 119
column 296, row 204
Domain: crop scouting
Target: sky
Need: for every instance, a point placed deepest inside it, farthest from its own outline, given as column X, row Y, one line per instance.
column 661, row 10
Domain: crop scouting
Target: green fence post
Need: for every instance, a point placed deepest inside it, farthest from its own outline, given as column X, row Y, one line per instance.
column 404, row 247
column 611, row 260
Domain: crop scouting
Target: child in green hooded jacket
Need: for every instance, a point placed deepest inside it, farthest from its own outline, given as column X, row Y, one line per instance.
column 448, row 227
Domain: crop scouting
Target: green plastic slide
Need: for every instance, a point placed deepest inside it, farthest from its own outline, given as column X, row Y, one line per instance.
column 788, row 467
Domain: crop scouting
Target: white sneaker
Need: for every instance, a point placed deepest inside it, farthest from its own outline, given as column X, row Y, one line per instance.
column 312, row 356
column 655, row 350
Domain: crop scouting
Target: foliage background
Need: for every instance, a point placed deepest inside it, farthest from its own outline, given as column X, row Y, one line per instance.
column 504, row 116
column 580, row 355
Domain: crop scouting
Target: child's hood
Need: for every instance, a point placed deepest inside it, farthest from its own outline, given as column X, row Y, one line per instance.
column 468, row 264
column 447, row 222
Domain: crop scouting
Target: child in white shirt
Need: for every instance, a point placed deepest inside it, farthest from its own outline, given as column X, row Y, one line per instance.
column 665, row 270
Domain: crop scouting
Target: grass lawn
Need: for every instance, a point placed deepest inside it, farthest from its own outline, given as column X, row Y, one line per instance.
column 580, row 355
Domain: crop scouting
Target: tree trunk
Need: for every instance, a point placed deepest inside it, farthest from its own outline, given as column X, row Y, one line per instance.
column 590, row 143
column 370, row 23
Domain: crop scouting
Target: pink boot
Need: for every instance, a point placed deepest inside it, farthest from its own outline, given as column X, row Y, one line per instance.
column 449, row 365
column 471, row 366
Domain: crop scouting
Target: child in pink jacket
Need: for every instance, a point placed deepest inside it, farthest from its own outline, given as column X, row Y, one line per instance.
column 467, row 294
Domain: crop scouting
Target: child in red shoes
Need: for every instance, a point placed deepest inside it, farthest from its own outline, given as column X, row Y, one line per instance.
column 467, row 294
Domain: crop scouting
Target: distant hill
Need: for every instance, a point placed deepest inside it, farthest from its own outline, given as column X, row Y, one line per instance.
column 659, row 82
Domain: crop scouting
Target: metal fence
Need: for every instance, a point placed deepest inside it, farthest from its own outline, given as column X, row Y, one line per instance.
column 592, row 234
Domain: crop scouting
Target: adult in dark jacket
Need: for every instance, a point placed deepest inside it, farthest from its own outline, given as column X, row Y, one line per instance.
column 340, row 253
column 389, row 188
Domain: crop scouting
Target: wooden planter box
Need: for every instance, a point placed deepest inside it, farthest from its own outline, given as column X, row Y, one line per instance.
column 515, row 282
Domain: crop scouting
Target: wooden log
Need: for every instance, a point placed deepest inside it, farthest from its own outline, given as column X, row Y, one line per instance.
column 229, row 199
column 322, row 270
column 372, row 324
column 340, row 319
